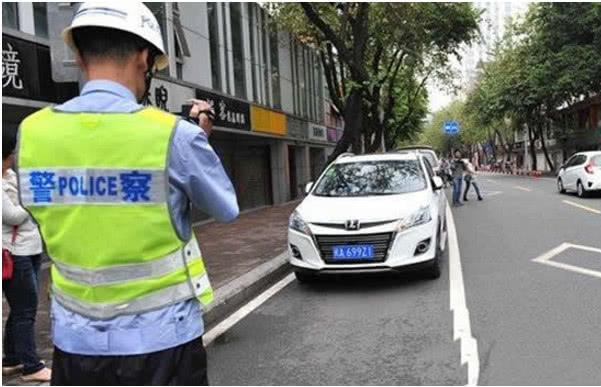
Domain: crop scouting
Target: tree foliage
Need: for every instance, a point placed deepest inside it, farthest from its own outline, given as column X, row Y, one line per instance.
column 548, row 61
column 377, row 58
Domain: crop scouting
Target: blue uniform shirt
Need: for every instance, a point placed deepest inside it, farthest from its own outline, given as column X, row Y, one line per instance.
column 195, row 175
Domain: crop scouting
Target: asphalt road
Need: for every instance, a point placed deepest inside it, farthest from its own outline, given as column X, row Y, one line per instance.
column 534, row 323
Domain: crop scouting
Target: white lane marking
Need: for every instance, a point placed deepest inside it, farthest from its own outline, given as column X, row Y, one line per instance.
column 492, row 181
column 522, row 188
column 546, row 259
column 244, row 311
column 461, row 316
column 594, row 211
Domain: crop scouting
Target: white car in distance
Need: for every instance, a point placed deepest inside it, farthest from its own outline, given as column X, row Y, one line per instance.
column 580, row 174
column 370, row 213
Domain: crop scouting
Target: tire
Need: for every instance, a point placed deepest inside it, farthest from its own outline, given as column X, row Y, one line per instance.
column 560, row 186
column 580, row 191
column 433, row 272
column 304, row 277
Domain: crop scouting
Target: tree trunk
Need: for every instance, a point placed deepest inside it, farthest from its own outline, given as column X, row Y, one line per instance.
column 531, row 136
column 542, row 140
column 353, row 120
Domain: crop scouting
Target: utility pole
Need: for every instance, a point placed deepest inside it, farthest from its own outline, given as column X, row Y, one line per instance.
column 526, row 160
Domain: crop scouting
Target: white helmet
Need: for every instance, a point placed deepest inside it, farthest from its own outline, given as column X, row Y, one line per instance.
column 129, row 16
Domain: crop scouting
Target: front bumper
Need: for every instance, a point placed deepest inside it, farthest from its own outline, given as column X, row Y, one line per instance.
column 401, row 254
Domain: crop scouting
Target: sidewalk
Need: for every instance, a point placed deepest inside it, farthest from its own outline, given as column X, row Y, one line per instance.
column 229, row 250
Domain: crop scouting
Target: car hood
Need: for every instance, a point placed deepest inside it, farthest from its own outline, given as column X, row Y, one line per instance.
column 324, row 209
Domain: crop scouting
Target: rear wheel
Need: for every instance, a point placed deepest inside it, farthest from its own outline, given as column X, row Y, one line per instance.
column 580, row 189
column 560, row 186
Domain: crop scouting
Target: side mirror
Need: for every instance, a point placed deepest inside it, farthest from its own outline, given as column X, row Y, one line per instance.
column 437, row 183
column 308, row 187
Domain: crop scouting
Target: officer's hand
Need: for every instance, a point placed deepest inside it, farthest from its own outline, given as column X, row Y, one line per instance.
column 198, row 105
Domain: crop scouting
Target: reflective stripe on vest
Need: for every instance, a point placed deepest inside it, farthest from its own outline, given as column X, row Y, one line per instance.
column 160, row 298
column 49, row 186
column 97, row 185
column 120, row 273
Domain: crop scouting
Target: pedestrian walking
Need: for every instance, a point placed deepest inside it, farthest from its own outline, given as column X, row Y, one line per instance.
column 458, row 169
column 111, row 188
column 20, row 237
column 470, row 179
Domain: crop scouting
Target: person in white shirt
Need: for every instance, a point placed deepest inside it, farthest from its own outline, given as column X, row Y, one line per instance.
column 470, row 179
column 20, row 236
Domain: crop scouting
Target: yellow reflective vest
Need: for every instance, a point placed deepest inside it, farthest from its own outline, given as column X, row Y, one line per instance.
column 97, row 185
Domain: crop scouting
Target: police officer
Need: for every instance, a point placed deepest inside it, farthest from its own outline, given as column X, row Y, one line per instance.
column 110, row 184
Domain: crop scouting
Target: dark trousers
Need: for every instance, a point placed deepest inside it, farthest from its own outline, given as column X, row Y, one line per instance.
column 467, row 188
column 185, row 364
column 21, row 292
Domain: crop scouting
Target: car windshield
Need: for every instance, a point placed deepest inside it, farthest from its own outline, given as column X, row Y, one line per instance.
column 367, row 178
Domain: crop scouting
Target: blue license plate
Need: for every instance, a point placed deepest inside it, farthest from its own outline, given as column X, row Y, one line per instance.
column 353, row 252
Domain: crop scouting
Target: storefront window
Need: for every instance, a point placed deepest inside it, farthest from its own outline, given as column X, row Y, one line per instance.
column 238, row 50
column 40, row 19
column 226, row 48
column 253, row 50
column 10, row 15
column 214, row 45
column 275, row 70
column 266, row 58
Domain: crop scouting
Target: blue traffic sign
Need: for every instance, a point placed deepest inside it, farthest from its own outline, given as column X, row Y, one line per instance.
column 451, row 127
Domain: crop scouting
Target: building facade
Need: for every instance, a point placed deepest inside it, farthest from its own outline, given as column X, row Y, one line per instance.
column 274, row 127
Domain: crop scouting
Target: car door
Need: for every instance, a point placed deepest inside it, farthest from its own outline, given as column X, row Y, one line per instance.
column 564, row 171
column 572, row 171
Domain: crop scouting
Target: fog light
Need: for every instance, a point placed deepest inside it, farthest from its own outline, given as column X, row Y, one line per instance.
column 295, row 252
column 422, row 247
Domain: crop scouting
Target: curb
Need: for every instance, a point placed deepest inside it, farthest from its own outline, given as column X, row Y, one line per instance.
column 237, row 292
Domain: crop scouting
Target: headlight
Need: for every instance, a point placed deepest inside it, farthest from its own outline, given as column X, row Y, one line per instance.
column 298, row 224
column 421, row 216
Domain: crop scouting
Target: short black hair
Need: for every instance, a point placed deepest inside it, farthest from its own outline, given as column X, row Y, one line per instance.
column 9, row 142
column 108, row 43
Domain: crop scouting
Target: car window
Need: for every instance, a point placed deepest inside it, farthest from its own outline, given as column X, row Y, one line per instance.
column 596, row 161
column 581, row 159
column 570, row 161
column 368, row 178
column 431, row 158
column 429, row 169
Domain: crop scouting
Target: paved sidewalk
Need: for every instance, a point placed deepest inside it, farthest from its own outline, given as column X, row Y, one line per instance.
column 229, row 250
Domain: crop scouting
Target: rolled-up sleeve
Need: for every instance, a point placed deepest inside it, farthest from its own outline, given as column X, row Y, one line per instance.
column 200, row 174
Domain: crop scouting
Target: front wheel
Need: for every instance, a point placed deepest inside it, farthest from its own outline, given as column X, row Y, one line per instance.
column 433, row 272
column 560, row 186
column 304, row 277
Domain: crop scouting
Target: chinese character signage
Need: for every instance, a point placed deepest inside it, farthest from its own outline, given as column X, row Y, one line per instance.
column 229, row 112
column 55, row 185
column 26, row 72
column 317, row 132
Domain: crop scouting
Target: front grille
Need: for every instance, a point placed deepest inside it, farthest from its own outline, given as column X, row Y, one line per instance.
column 381, row 243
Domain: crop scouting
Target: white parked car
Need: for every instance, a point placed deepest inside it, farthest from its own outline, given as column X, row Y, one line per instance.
column 427, row 151
column 581, row 173
column 370, row 213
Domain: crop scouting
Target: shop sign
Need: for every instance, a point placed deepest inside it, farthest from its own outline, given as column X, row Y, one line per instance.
column 168, row 96
column 268, row 121
column 317, row 132
column 335, row 134
column 229, row 112
column 26, row 72
column 297, row 128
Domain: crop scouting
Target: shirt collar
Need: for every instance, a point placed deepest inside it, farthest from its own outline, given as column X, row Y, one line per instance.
column 108, row 86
